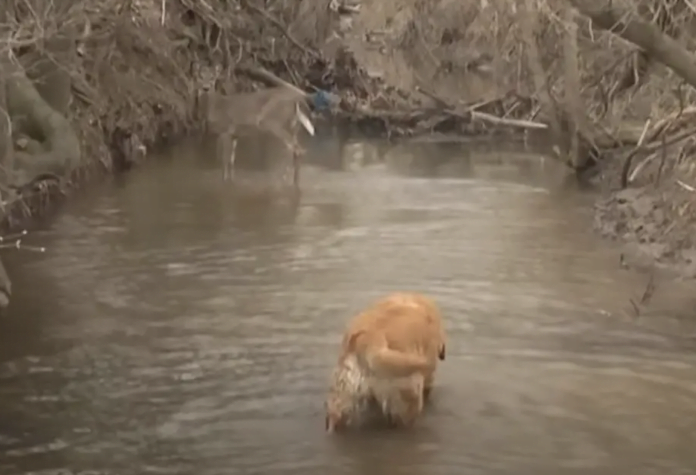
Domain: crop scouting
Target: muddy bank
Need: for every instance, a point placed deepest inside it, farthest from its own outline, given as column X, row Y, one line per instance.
column 647, row 204
column 83, row 93
column 656, row 224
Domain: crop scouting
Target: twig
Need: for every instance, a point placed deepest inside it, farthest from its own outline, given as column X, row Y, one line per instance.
column 662, row 126
column 645, row 130
column 18, row 245
column 653, row 147
column 642, row 164
column 685, row 186
column 663, row 159
column 676, row 138
column 629, row 158
column 472, row 114
column 12, row 237
column 519, row 123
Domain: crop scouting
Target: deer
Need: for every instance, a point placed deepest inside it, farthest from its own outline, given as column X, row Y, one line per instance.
column 280, row 110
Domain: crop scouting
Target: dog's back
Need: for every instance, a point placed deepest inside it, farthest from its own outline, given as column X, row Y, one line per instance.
column 404, row 322
column 396, row 344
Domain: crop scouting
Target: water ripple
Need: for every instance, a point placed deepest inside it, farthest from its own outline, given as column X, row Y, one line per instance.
column 185, row 339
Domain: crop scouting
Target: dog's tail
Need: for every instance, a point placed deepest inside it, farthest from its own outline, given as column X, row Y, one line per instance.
column 384, row 361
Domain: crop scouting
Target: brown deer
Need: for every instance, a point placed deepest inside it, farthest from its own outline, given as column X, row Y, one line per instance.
column 281, row 111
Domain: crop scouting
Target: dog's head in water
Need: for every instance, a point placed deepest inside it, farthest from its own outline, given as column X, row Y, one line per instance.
column 349, row 401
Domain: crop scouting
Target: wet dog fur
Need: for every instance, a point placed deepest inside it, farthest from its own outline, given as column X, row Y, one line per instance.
column 389, row 356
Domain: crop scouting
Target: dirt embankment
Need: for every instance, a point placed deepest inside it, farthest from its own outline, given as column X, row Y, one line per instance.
column 84, row 87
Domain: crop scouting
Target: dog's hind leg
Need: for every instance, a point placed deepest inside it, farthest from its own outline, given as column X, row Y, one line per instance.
column 412, row 403
column 428, row 385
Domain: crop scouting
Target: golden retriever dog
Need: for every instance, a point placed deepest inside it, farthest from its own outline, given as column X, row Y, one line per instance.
column 389, row 355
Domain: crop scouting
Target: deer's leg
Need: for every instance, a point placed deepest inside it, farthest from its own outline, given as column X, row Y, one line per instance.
column 289, row 139
column 221, row 153
column 233, row 155
column 296, row 151
column 296, row 162
column 226, row 149
column 296, row 168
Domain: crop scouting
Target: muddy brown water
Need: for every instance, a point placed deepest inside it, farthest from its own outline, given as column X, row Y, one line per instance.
column 172, row 328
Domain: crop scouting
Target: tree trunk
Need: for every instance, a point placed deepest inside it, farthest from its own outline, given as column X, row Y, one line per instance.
column 643, row 34
column 61, row 154
column 572, row 85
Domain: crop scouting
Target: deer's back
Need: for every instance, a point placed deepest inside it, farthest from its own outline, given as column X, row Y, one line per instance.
column 275, row 106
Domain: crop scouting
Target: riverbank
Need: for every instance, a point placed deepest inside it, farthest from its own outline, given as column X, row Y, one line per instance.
column 87, row 92
column 655, row 217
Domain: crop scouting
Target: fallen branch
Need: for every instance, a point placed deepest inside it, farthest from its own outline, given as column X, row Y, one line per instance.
column 471, row 114
column 519, row 123
column 647, row 36
column 665, row 123
column 629, row 158
column 651, row 148
column 685, row 186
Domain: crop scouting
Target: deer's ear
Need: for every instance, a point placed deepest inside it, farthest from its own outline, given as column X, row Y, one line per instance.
column 304, row 120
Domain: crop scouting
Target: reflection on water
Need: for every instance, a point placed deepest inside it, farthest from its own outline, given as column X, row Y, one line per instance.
column 176, row 328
